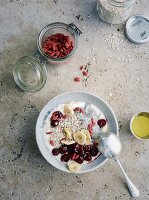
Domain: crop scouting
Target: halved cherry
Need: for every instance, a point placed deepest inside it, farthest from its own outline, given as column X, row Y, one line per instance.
column 54, row 123
column 55, row 151
column 73, row 156
column 88, row 157
column 80, row 160
column 87, row 148
column 94, row 151
column 63, row 149
column 65, row 158
column 101, row 122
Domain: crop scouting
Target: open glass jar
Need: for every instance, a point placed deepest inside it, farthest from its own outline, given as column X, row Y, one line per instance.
column 30, row 72
column 114, row 11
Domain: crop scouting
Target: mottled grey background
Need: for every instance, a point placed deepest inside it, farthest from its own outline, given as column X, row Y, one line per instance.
column 119, row 74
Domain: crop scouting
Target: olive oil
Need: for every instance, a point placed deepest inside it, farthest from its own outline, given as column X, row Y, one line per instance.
column 140, row 125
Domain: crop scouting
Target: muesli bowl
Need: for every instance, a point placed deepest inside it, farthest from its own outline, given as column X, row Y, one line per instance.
column 47, row 140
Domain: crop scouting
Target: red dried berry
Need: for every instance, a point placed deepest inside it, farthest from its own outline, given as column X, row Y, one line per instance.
column 90, row 128
column 77, row 79
column 50, row 132
column 81, row 67
column 85, row 73
column 51, row 142
column 57, row 43
column 78, row 109
column 93, row 121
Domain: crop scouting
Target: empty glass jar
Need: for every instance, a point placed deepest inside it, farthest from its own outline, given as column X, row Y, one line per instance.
column 30, row 72
column 114, row 11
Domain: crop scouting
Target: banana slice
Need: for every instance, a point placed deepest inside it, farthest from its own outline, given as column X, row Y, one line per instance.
column 74, row 166
column 67, row 133
column 88, row 137
column 68, row 110
column 68, row 141
column 79, row 137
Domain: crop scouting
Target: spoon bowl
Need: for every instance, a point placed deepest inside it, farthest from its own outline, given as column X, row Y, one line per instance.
column 110, row 147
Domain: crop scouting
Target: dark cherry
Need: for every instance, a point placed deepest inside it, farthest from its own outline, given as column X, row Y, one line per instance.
column 87, row 148
column 94, row 151
column 73, row 148
column 65, row 158
column 82, row 153
column 78, row 109
column 55, row 151
column 54, row 123
column 57, row 115
column 77, row 148
column 80, row 160
column 101, row 123
column 81, row 147
column 73, row 156
column 63, row 149
column 88, row 157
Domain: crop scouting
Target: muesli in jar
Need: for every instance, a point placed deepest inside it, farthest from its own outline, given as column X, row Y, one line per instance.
column 114, row 11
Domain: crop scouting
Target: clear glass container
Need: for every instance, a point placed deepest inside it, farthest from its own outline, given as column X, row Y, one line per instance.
column 114, row 11
column 30, row 72
column 67, row 29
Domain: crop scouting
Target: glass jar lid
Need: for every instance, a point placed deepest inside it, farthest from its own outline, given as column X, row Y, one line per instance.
column 137, row 29
column 30, row 74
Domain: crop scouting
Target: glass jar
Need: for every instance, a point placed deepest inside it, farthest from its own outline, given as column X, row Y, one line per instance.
column 30, row 72
column 114, row 11
column 67, row 29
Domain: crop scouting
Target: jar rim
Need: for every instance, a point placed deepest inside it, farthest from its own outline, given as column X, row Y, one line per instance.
column 121, row 4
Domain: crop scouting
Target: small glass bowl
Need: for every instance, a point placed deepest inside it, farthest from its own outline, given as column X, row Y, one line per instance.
column 30, row 74
column 143, row 113
column 67, row 29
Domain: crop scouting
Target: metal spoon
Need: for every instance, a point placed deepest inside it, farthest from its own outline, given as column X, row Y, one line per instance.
column 110, row 147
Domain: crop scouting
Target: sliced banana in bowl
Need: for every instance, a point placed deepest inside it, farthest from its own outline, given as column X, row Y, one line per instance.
column 67, row 141
column 68, row 133
column 68, row 110
column 74, row 166
column 88, row 140
column 79, row 137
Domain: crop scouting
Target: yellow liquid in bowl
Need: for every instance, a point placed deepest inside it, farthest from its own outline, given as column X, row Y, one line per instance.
column 140, row 125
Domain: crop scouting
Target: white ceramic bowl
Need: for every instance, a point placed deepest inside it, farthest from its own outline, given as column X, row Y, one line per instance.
column 66, row 98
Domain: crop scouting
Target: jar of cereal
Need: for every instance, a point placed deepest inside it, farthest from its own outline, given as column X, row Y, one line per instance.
column 114, row 11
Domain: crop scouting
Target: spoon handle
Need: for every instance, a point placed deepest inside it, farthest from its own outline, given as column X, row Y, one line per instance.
column 132, row 188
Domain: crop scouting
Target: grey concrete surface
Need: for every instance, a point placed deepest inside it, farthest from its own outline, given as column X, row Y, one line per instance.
column 120, row 75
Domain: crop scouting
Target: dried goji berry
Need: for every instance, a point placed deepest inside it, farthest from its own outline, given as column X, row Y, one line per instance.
column 50, row 132
column 51, row 142
column 81, row 67
column 77, row 79
column 85, row 73
column 57, row 43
